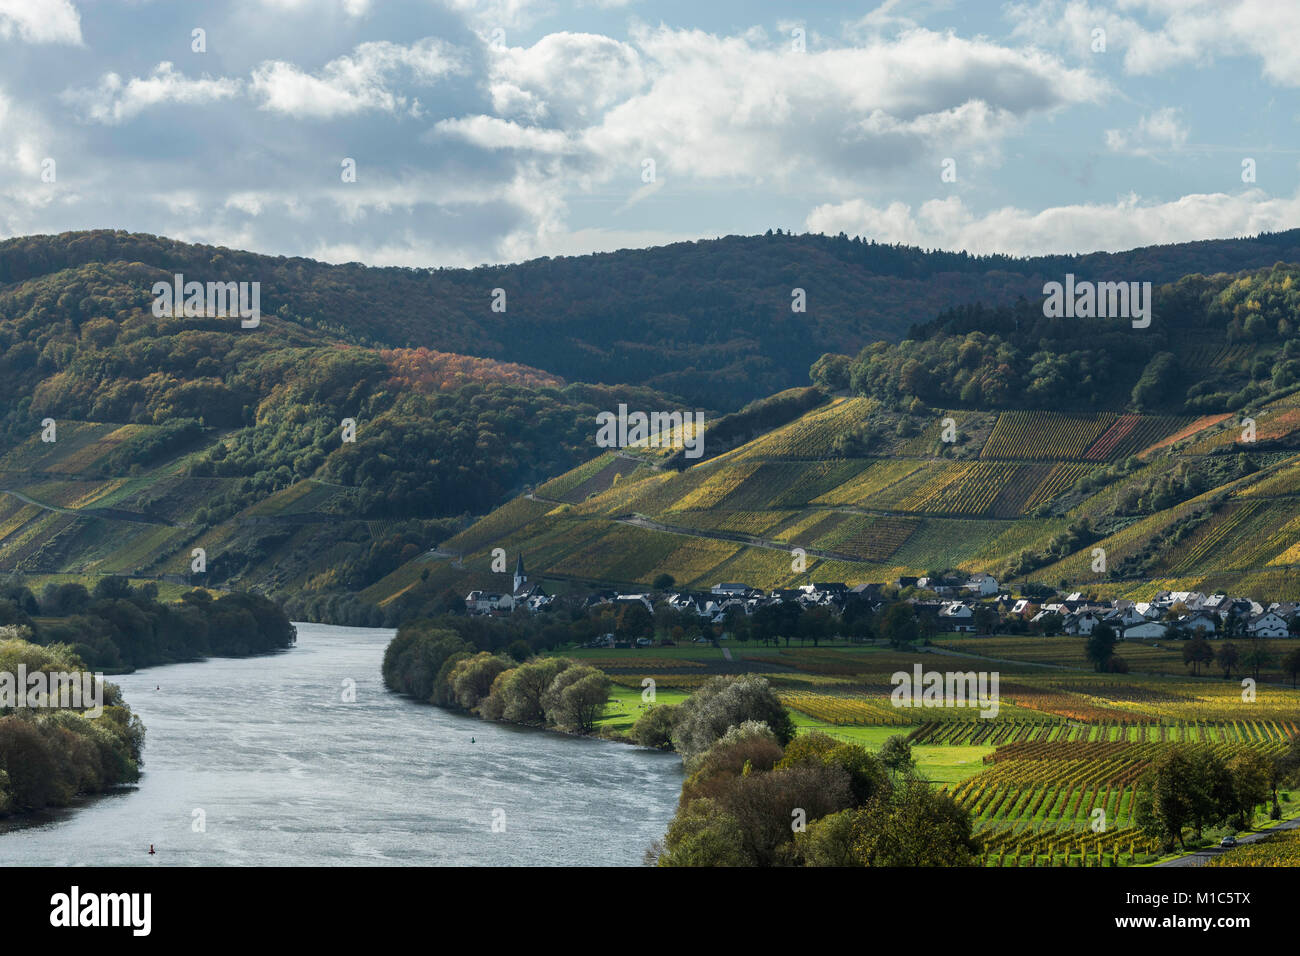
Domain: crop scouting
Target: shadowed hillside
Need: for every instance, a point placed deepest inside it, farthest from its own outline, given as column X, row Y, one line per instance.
column 708, row 320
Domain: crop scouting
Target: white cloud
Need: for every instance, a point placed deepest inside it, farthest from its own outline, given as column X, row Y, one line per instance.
column 359, row 82
column 892, row 15
column 564, row 78
column 40, row 21
column 738, row 108
column 1181, row 32
column 113, row 101
column 580, row 112
column 23, row 140
column 353, row 8
column 25, row 198
column 1160, row 131
column 493, row 14
column 1089, row 227
column 488, row 132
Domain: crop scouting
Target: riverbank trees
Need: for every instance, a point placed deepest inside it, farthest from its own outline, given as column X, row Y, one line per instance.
column 723, row 703
column 119, row 627
column 437, row 666
column 816, row 801
column 50, row 755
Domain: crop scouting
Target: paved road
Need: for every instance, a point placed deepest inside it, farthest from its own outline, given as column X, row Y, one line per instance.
column 1201, row 857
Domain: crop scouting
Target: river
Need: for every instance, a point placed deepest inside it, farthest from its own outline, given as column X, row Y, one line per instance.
column 286, row 772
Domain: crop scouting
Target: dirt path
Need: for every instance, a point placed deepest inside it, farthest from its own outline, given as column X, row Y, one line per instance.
column 113, row 514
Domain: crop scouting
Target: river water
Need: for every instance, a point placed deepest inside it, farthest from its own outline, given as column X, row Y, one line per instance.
column 286, row 772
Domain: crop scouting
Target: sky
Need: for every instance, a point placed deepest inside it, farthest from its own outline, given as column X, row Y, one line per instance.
column 454, row 133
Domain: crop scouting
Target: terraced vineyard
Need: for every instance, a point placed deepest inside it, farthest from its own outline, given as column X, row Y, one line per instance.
column 1187, row 431
column 1045, row 435
column 79, row 447
column 499, row 525
column 1061, row 478
column 992, row 488
column 876, row 518
column 1131, row 434
column 867, row 538
column 906, row 505
column 735, row 522
column 1273, row 422
column 814, row 435
column 866, row 486
column 1244, row 534
column 1049, row 803
column 880, row 517
column 1284, row 482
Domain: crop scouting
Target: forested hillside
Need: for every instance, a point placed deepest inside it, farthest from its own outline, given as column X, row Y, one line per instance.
column 170, row 434
column 1215, row 344
column 709, row 320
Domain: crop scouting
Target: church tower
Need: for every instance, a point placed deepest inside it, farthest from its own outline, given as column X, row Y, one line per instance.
column 520, row 578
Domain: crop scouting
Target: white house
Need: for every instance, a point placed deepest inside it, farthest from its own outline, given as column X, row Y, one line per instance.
column 485, row 602
column 720, row 609
column 730, row 590
column 1127, row 617
column 982, row 584
column 957, row 616
column 1081, row 623
column 1268, row 624
column 1215, row 603
column 1200, row 622
column 1192, row 600
column 642, row 599
column 1145, row 629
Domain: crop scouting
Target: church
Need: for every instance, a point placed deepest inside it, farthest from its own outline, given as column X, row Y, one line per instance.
column 524, row 595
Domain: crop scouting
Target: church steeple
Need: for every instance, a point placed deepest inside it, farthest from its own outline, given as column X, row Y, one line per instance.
column 520, row 577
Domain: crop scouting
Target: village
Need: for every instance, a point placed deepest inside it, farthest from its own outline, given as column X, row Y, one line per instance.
column 975, row 604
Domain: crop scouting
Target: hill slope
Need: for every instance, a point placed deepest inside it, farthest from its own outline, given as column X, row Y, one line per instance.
column 1026, row 495
column 709, row 320
column 995, row 440
column 180, row 434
